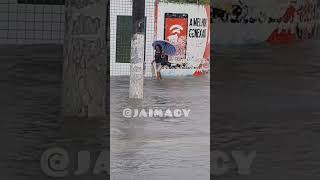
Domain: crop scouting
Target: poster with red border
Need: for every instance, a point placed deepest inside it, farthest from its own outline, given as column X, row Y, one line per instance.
column 176, row 33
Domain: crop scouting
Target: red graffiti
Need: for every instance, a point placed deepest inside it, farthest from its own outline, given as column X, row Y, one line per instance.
column 298, row 20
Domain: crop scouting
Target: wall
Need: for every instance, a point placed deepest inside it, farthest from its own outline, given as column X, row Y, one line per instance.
column 124, row 8
column 30, row 24
column 245, row 22
column 44, row 24
column 197, row 32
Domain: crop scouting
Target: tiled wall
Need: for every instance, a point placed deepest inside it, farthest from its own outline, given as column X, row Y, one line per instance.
column 44, row 24
column 29, row 24
column 124, row 8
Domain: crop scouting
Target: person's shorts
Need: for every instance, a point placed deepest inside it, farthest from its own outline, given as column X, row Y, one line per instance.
column 158, row 66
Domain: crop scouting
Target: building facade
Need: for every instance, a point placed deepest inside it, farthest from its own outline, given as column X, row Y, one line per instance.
column 42, row 22
column 31, row 21
column 187, row 26
column 120, row 35
column 232, row 22
column 274, row 21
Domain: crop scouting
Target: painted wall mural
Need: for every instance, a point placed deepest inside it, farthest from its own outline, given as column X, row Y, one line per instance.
column 243, row 22
column 187, row 26
column 175, row 31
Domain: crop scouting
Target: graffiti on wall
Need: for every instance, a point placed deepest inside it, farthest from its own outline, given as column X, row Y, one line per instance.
column 293, row 21
column 237, row 13
column 243, row 13
column 297, row 23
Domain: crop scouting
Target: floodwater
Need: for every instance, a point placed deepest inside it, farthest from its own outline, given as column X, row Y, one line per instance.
column 161, row 148
column 30, row 81
column 267, row 100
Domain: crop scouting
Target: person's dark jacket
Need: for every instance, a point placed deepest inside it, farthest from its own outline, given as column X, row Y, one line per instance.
column 158, row 57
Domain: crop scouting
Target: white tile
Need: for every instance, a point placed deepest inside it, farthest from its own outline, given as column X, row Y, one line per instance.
column 21, row 25
column 12, row 1
column 48, row 9
column 56, row 26
column 47, row 35
column 13, row 25
column 56, row 8
column 12, row 35
column 121, row 7
column 3, row 16
column 3, row 7
column 3, row 25
column 3, row 34
column 29, row 8
column 39, row 8
column 47, row 26
column 38, row 17
column 29, row 35
column 55, row 18
column 13, row 8
column 38, row 26
column 38, row 35
column 21, row 35
column 30, row 26
column 13, row 16
column 21, row 16
column 48, row 17
column 30, row 17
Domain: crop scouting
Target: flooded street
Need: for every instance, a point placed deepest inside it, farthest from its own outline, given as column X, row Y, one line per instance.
column 267, row 99
column 30, row 82
column 162, row 148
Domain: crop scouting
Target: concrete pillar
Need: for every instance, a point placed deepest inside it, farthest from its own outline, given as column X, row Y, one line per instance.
column 137, row 50
column 84, row 66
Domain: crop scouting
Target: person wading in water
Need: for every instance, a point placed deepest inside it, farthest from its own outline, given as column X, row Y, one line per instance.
column 158, row 59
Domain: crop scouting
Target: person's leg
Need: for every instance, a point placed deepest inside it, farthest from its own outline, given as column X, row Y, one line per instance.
column 153, row 69
column 159, row 66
